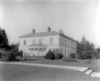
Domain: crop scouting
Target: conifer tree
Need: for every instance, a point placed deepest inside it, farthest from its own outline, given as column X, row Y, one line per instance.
column 4, row 36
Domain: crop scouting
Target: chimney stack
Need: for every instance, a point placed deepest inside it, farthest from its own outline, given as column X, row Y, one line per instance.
column 61, row 31
column 33, row 31
column 49, row 29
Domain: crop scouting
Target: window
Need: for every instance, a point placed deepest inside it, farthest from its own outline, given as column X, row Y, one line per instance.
column 51, row 40
column 68, row 43
column 68, row 51
column 65, row 42
column 61, row 41
column 40, row 41
column 33, row 42
column 24, row 42
column 61, row 50
column 65, row 51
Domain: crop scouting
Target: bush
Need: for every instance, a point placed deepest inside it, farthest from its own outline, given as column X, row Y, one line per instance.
column 69, row 59
column 14, row 54
column 89, row 61
column 50, row 55
column 91, row 54
column 72, row 55
column 58, row 56
column 5, row 55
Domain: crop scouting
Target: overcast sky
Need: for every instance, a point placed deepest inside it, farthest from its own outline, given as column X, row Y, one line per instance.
column 77, row 18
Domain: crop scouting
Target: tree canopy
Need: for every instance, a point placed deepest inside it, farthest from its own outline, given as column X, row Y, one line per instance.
column 86, row 49
column 3, row 39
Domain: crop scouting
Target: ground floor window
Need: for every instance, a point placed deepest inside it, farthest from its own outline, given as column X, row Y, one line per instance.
column 65, row 51
column 68, row 51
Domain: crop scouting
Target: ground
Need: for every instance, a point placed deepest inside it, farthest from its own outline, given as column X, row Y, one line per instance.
column 13, row 72
column 94, row 64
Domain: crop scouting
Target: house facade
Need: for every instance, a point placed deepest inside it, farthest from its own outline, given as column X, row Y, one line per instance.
column 38, row 44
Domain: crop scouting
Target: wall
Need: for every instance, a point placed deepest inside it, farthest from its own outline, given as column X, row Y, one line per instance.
column 67, row 46
column 45, row 41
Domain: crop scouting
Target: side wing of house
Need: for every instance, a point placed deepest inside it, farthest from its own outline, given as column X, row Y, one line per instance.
column 67, row 46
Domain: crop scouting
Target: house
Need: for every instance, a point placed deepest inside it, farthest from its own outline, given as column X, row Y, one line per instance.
column 38, row 44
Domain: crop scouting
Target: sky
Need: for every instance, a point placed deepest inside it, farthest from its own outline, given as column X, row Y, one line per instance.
column 77, row 18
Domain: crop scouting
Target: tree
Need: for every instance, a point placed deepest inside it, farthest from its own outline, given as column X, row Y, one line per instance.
column 3, row 39
column 4, row 36
column 86, row 49
column 83, row 41
column 98, row 49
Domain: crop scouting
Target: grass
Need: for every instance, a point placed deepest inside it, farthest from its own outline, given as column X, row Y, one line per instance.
column 93, row 64
column 13, row 72
column 32, row 58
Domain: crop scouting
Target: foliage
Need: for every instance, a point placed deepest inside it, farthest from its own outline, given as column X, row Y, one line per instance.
column 73, row 55
column 86, row 50
column 3, row 39
column 5, row 55
column 69, row 59
column 58, row 56
column 14, row 54
column 89, row 61
column 8, row 55
column 50, row 55
column 98, row 52
column 98, row 49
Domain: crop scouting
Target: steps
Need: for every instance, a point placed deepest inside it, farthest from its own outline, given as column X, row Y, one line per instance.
column 88, row 72
column 95, row 74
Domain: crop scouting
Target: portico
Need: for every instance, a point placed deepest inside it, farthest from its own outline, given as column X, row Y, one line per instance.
column 37, row 50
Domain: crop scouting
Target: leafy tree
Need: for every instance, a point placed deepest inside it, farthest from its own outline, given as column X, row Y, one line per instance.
column 86, row 49
column 98, row 49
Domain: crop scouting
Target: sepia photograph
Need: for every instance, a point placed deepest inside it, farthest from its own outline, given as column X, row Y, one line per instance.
column 49, row 40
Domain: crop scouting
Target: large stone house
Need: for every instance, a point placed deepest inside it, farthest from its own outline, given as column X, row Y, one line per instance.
column 38, row 44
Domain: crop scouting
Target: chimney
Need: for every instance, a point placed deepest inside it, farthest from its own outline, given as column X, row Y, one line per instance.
column 49, row 29
column 61, row 31
column 33, row 31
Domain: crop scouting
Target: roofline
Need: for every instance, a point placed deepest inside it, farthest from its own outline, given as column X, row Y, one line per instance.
column 67, row 37
column 56, row 33
column 37, row 35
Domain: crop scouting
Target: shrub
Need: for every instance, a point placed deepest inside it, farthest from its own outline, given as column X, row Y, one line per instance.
column 50, row 55
column 5, row 55
column 89, row 61
column 14, row 54
column 58, row 56
column 69, row 59
column 90, row 54
column 72, row 55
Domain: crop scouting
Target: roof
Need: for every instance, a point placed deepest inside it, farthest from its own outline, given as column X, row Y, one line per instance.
column 39, row 34
column 67, row 37
column 46, row 34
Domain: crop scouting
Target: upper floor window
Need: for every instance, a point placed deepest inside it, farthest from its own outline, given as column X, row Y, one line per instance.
column 51, row 40
column 40, row 41
column 65, row 42
column 24, row 42
column 33, row 42
column 61, row 41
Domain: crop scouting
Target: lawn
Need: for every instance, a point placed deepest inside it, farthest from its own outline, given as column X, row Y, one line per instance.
column 13, row 72
column 94, row 65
